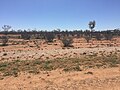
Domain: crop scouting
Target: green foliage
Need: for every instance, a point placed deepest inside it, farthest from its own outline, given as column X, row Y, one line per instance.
column 50, row 37
column 66, row 64
column 37, row 62
column 92, row 24
column 25, row 36
column 4, row 40
column 67, row 42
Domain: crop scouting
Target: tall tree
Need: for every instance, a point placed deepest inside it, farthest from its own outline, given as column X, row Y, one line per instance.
column 5, row 38
column 92, row 25
column 6, row 28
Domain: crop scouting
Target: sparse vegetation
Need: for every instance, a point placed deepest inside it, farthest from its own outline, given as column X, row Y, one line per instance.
column 67, row 42
column 4, row 54
column 59, row 45
column 67, row 64
column 25, row 35
column 4, row 40
column 92, row 25
column 49, row 37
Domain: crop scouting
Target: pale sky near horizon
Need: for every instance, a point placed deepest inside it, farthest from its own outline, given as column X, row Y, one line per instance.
column 63, row 14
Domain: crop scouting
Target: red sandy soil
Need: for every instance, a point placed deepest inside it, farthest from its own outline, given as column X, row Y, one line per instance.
column 18, row 53
column 100, row 79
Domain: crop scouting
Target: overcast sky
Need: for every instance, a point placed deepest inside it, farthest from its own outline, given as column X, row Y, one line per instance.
column 63, row 14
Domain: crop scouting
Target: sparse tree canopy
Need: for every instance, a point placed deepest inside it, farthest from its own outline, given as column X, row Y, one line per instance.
column 49, row 36
column 6, row 28
column 92, row 25
column 5, row 37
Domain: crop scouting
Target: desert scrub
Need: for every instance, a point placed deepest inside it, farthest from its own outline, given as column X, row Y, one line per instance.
column 73, row 68
column 37, row 62
column 3, row 64
column 4, row 54
column 67, row 42
column 112, row 60
column 66, row 64
column 48, row 66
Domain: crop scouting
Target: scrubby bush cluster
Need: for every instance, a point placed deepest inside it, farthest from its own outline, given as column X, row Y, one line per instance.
column 67, row 42
column 62, row 35
column 4, row 40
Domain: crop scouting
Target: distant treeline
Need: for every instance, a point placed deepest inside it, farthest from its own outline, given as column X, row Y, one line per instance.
column 99, row 35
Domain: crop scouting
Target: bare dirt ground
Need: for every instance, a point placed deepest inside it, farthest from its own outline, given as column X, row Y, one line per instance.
column 100, row 79
column 33, row 54
column 57, row 76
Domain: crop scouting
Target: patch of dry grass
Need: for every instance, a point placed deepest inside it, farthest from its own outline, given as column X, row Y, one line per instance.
column 67, row 64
